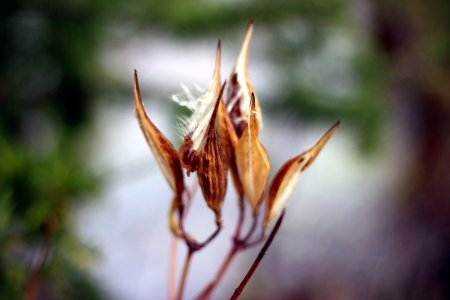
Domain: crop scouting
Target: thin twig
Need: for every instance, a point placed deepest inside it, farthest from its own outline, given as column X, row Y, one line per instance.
column 174, row 247
column 224, row 267
column 251, row 230
column 237, row 245
column 211, row 237
column 173, row 268
column 258, row 259
column 241, row 217
column 187, row 264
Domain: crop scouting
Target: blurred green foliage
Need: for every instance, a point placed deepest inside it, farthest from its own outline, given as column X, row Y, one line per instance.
column 46, row 59
column 50, row 76
column 37, row 195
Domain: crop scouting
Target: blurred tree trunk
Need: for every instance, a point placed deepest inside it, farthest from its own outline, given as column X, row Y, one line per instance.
column 414, row 37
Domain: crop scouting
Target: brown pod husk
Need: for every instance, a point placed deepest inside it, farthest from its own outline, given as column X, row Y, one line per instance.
column 162, row 148
column 252, row 161
column 189, row 150
column 229, row 142
column 238, row 93
column 288, row 176
column 212, row 167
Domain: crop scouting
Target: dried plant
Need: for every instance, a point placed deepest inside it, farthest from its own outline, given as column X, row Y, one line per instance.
column 222, row 134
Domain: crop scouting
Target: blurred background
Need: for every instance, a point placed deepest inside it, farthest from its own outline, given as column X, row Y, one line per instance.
column 83, row 206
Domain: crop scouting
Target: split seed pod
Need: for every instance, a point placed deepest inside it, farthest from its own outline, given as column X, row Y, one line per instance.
column 202, row 150
column 252, row 161
column 237, row 96
column 212, row 167
column 162, row 149
column 288, row 176
column 229, row 142
column 195, row 127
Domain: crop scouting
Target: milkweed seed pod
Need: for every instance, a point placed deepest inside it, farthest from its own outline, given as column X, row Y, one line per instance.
column 202, row 150
column 288, row 176
column 163, row 150
column 212, row 167
column 237, row 95
column 252, row 161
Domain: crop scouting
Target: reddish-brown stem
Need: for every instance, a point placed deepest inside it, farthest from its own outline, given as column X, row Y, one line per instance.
column 187, row 264
column 193, row 246
column 251, row 230
column 173, row 268
column 258, row 259
column 241, row 217
column 224, row 267
column 174, row 247
column 211, row 237
column 238, row 244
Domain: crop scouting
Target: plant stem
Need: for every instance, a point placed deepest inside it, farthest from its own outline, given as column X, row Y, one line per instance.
column 258, row 259
column 173, row 268
column 226, row 263
column 241, row 217
column 211, row 237
column 174, row 247
column 205, row 294
column 187, row 264
column 251, row 230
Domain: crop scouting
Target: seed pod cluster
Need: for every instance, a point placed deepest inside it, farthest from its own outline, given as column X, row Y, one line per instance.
column 222, row 134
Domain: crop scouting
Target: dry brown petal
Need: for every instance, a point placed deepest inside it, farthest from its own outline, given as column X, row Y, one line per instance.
column 162, row 148
column 252, row 161
column 212, row 167
column 237, row 96
column 288, row 176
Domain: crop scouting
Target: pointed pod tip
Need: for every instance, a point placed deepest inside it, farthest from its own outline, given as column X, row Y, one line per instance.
column 331, row 130
column 243, row 55
column 216, row 106
column 219, row 96
column 251, row 25
column 219, row 49
column 252, row 103
column 216, row 73
column 135, row 77
column 137, row 92
column 317, row 148
column 136, row 80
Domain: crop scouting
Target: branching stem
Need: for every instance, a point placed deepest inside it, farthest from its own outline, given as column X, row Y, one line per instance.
column 238, row 245
column 174, row 246
column 224, row 267
column 258, row 259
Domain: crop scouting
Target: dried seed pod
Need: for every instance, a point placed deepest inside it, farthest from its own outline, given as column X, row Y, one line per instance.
column 195, row 127
column 212, row 167
column 229, row 140
column 288, row 176
column 162, row 148
column 252, row 161
column 165, row 155
column 237, row 95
